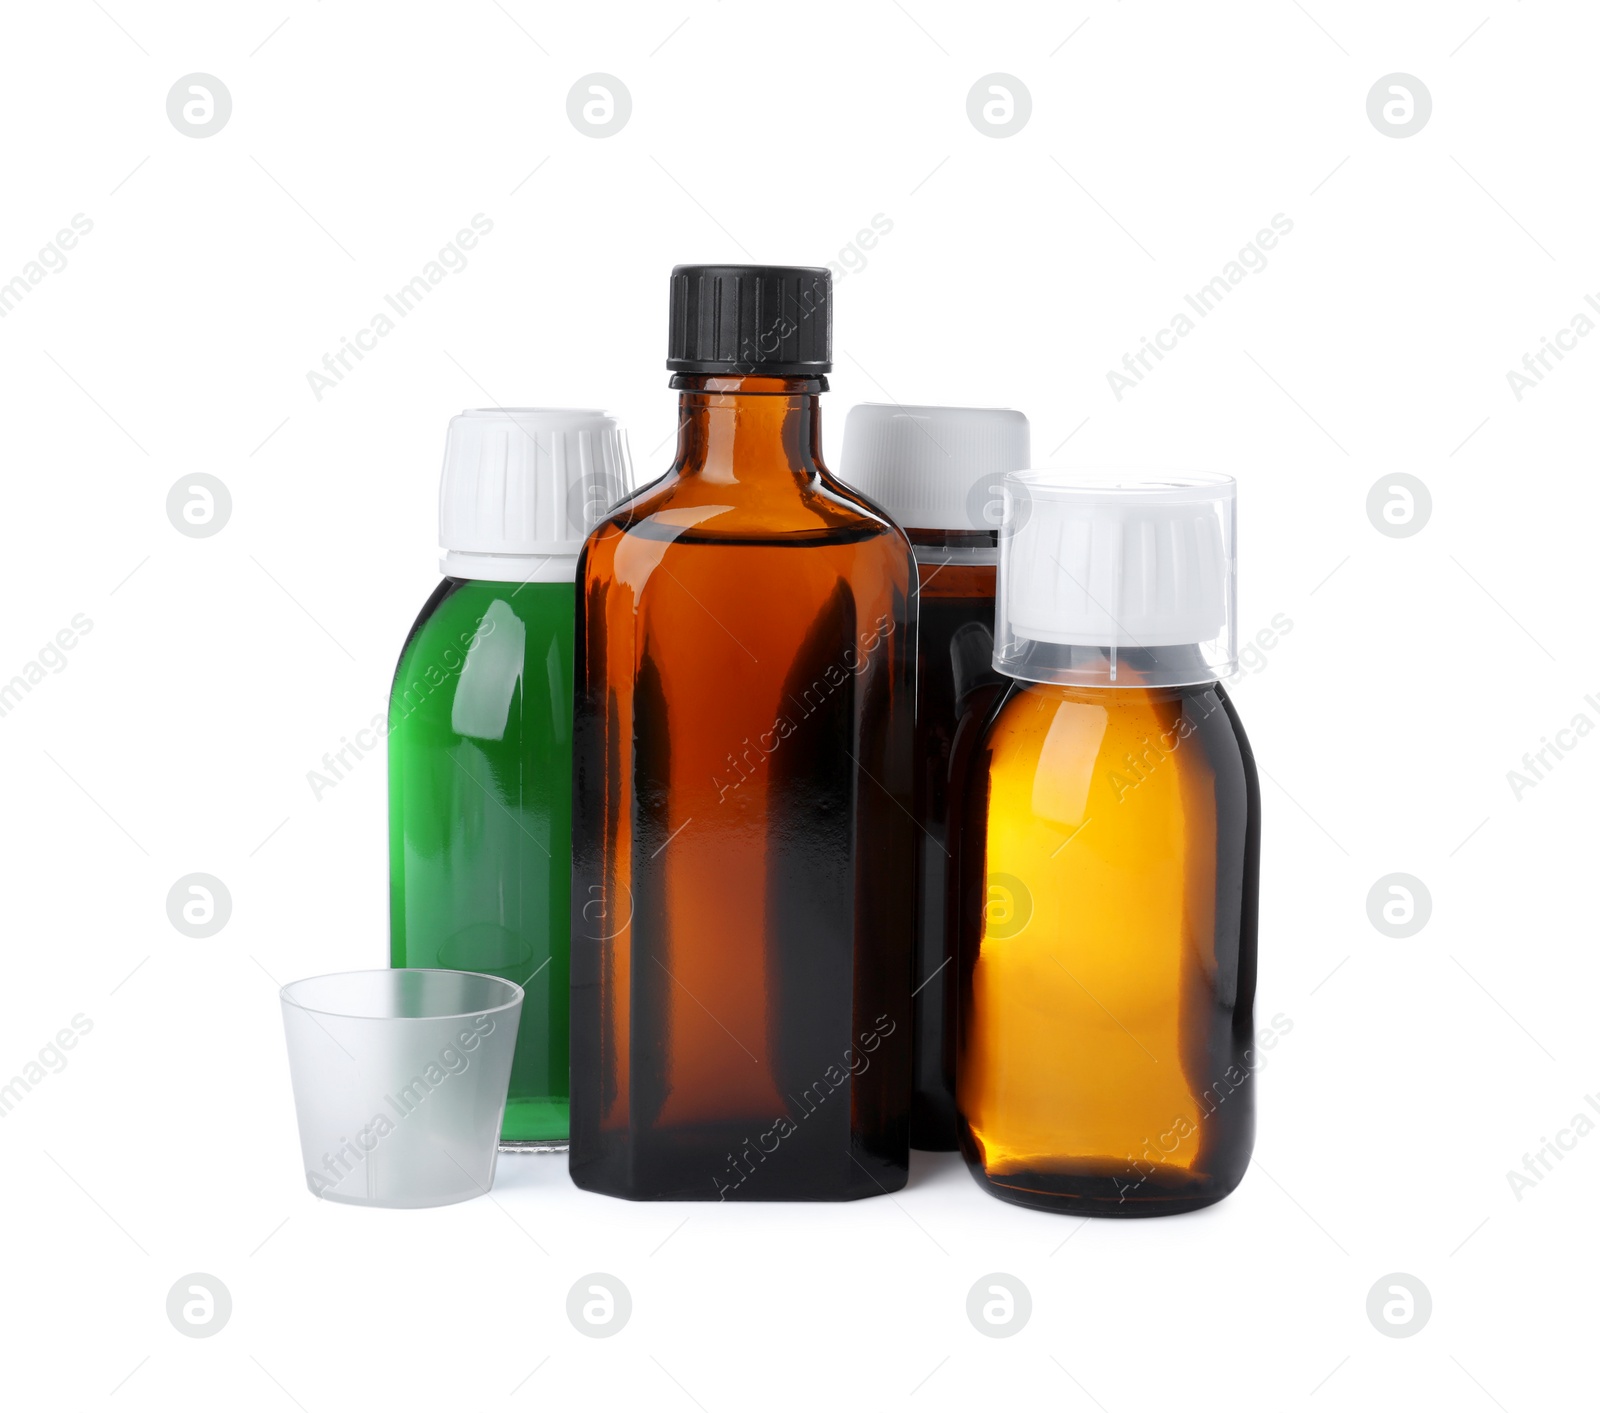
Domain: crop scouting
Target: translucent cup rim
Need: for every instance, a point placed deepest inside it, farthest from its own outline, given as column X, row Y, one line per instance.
column 933, row 409
column 1047, row 484
column 288, row 1000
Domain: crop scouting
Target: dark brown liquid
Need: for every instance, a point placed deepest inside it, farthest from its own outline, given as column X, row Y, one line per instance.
column 742, row 835
column 955, row 676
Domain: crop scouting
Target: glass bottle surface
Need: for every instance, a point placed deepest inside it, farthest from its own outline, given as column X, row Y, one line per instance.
column 1108, row 949
column 955, row 677
column 743, row 848
column 480, row 814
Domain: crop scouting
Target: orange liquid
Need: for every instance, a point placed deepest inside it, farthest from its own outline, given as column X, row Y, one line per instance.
column 1108, row 969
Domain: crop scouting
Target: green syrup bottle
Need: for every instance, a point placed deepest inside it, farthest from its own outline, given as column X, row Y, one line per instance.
column 480, row 730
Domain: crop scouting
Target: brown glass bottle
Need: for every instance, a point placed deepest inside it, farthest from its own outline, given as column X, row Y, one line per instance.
column 936, row 470
column 1110, row 857
column 956, row 683
column 742, row 835
column 1108, row 899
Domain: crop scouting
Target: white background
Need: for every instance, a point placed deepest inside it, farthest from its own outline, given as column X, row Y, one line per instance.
column 178, row 735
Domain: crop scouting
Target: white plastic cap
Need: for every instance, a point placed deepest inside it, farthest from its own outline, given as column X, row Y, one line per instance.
column 1111, row 580
column 933, row 468
column 522, row 488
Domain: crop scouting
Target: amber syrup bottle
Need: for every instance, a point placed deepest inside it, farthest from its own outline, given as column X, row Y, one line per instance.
column 742, row 827
column 937, row 472
column 1110, row 858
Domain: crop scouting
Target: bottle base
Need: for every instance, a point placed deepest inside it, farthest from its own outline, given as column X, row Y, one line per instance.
column 697, row 1195
column 1126, row 1193
column 536, row 1123
column 933, row 1124
column 735, row 1164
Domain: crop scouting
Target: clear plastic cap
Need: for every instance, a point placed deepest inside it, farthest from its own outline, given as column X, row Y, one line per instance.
column 1116, row 580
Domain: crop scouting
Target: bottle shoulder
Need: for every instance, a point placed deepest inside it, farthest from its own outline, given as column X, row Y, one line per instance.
column 1029, row 713
column 1062, row 757
column 805, row 509
column 488, row 662
column 460, row 613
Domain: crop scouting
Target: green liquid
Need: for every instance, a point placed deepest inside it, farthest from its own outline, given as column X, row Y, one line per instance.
column 480, row 814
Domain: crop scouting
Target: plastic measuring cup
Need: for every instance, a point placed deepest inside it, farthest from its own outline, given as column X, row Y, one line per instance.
column 400, row 1080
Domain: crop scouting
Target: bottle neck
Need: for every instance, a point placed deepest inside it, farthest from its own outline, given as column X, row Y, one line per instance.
column 561, row 568
column 954, row 547
column 734, row 429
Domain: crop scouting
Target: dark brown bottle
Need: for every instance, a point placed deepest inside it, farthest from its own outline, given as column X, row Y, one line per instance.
column 937, row 471
column 956, row 682
column 742, row 830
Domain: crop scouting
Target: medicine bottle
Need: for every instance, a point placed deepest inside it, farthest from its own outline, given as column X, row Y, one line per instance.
column 1110, row 858
column 937, row 471
column 742, row 835
column 480, row 730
